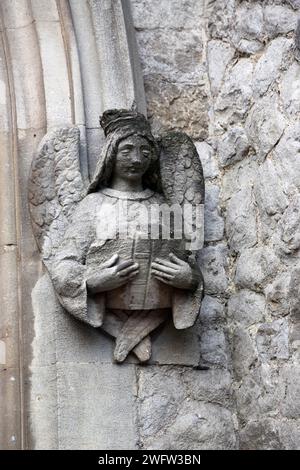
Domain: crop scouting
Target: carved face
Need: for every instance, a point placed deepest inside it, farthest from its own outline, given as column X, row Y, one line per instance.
column 133, row 157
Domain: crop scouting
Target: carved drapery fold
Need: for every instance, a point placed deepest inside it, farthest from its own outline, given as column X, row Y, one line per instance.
column 54, row 71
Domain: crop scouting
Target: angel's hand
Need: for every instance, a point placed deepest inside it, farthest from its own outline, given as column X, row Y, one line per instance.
column 112, row 274
column 176, row 272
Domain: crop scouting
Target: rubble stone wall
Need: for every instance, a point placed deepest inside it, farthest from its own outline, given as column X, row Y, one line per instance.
column 228, row 73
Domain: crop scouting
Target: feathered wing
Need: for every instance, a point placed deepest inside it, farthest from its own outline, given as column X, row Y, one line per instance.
column 182, row 182
column 55, row 188
column 182, row 178
column 181, row 169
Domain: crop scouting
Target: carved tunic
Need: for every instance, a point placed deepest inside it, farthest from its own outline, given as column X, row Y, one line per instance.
column 132, row 211
column 86, row 245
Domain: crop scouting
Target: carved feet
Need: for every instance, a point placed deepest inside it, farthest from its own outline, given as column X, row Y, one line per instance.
column 131, row 330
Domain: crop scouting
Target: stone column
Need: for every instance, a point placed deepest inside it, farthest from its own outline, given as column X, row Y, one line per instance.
column 10, row 348
column 62, row 63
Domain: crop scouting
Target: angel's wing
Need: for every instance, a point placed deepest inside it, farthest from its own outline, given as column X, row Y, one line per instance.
column 55, row 187
column 181, row 169
column 182, row 176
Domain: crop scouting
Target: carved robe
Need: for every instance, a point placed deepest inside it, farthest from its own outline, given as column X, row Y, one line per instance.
column 83, row 249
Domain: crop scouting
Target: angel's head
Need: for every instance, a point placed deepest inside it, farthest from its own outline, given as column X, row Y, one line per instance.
column 133, row 157
column 130, row 150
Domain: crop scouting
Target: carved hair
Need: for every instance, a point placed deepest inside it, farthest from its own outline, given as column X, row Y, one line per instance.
column 106, row 162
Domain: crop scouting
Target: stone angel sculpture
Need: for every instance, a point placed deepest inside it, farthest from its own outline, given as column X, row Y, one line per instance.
column 125, row 282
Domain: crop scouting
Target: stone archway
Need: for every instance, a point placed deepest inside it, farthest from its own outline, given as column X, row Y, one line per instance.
column 61, row 63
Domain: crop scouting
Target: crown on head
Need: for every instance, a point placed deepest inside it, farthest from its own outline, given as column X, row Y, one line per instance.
column 114, row 119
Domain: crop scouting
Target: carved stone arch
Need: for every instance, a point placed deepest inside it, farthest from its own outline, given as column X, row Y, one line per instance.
column 23, row 122
column 60, row 64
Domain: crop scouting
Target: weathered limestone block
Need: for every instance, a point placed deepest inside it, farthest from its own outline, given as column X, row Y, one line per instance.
column 79, row 343
column 243, row 352
column 221, row 18
column 176, row 15
column 249, row 28
column 177, row 107
column 13, row 19
column 43, row 417
column 213, row 263
column 241, row 227
column 213, row 222
column 92, row 425
column 255, row 267
column 294, row 3
column 277, row 295
column 290, row 406
column 206, row 153
column 295, row 337
column 247, row 396
column 290, row 226
column 271, row 200
column 238, row 176
column 213, row 385
column 174, row 402
column 236, row 92
column 233, row 146
column 272, row 340
column 219, row 55
column 265, row 125
column 117, row 60
column 294, row 292
column 286, row 157
column 260, row 434
column 178, row 56
column 294, row 311
column 250, row 20
column 198, row 426
column 279, row 20
column 289, row 89
column 246, row 307
column 45, row 10
column 57, row 88
column 260, row 393
column 176, row 346
column 212, row 311
column 214, row 348
column 268, row 66
column 295, row 340
column 269, row 190
column 214, row 226
column 289, row 431
column 297, row 41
